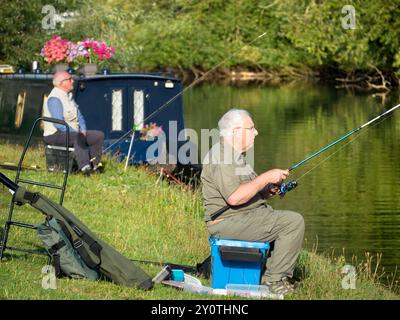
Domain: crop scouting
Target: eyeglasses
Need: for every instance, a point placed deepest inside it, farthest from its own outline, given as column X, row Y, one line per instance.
column 68, row 79
column 251, row 128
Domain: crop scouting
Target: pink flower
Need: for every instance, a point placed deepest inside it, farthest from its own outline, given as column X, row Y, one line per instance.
column 58, row 50
column 150, row 131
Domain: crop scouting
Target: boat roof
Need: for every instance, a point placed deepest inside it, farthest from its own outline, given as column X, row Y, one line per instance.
column 49, row 76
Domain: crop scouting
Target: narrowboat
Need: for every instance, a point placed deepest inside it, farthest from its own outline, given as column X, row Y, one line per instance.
column 116, row 104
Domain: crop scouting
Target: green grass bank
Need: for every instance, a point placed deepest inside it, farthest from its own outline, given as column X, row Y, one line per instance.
column 149, row 219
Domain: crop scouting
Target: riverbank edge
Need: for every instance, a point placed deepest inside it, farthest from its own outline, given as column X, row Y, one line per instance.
column 372, row 80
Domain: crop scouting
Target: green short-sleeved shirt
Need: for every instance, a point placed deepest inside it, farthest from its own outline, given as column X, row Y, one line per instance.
column 224, row 170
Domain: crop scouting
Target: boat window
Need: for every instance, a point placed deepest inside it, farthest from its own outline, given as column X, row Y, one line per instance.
column 169, row 84
column 45, row 97
column 138, row 108
column 19, row 112
column 116, row 113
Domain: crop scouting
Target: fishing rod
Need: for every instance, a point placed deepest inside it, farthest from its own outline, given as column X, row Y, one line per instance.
column 163, row 106
column 286, row 187
column 157, row 111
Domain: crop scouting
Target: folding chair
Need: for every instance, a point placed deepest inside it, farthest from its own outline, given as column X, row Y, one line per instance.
column 10, row 222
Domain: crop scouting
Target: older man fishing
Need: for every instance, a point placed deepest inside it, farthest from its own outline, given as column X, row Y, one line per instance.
column 234, row 198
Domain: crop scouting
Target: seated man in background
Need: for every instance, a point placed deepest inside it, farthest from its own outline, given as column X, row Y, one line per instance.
column 60, row 105
column 230, row 185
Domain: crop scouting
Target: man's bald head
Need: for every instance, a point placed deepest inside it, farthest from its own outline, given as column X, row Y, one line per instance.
column 63, row 80
column 60, row 76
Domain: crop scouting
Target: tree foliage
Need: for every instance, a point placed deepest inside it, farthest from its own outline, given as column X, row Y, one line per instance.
column 21, row 30
column 200, row 34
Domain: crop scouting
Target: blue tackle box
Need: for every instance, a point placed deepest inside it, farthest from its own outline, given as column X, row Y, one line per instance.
column 237, row 261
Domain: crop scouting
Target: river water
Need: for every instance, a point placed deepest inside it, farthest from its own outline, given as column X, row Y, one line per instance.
column 351, row 201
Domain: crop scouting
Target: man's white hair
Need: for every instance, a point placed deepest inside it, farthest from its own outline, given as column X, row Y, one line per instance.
column 58, row 77
column 230, row 120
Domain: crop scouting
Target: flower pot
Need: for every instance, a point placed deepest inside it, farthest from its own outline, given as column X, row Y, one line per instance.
column 60, row 67
column 87, row 69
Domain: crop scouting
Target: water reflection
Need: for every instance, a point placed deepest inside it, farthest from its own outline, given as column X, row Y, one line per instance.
column 351, row 200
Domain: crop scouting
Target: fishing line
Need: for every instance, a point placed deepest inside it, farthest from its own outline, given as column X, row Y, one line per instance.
column 181, row 93
column 196, row 81
column 347, row 143
column 286, row 187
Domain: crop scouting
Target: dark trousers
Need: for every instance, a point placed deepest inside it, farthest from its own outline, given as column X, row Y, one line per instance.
column 87, row 147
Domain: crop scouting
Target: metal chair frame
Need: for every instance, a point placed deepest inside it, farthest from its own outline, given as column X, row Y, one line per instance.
column 62, row 188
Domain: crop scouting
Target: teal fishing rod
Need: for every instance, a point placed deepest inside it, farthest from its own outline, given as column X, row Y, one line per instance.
column 286, row 187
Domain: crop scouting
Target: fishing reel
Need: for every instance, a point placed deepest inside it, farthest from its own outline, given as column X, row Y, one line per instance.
column 283, row 188
column 286, row 187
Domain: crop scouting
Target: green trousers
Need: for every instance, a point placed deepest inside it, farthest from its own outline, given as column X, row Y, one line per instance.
column 265, row 224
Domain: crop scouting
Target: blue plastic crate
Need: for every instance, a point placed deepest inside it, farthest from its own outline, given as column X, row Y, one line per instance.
column 237, row 262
